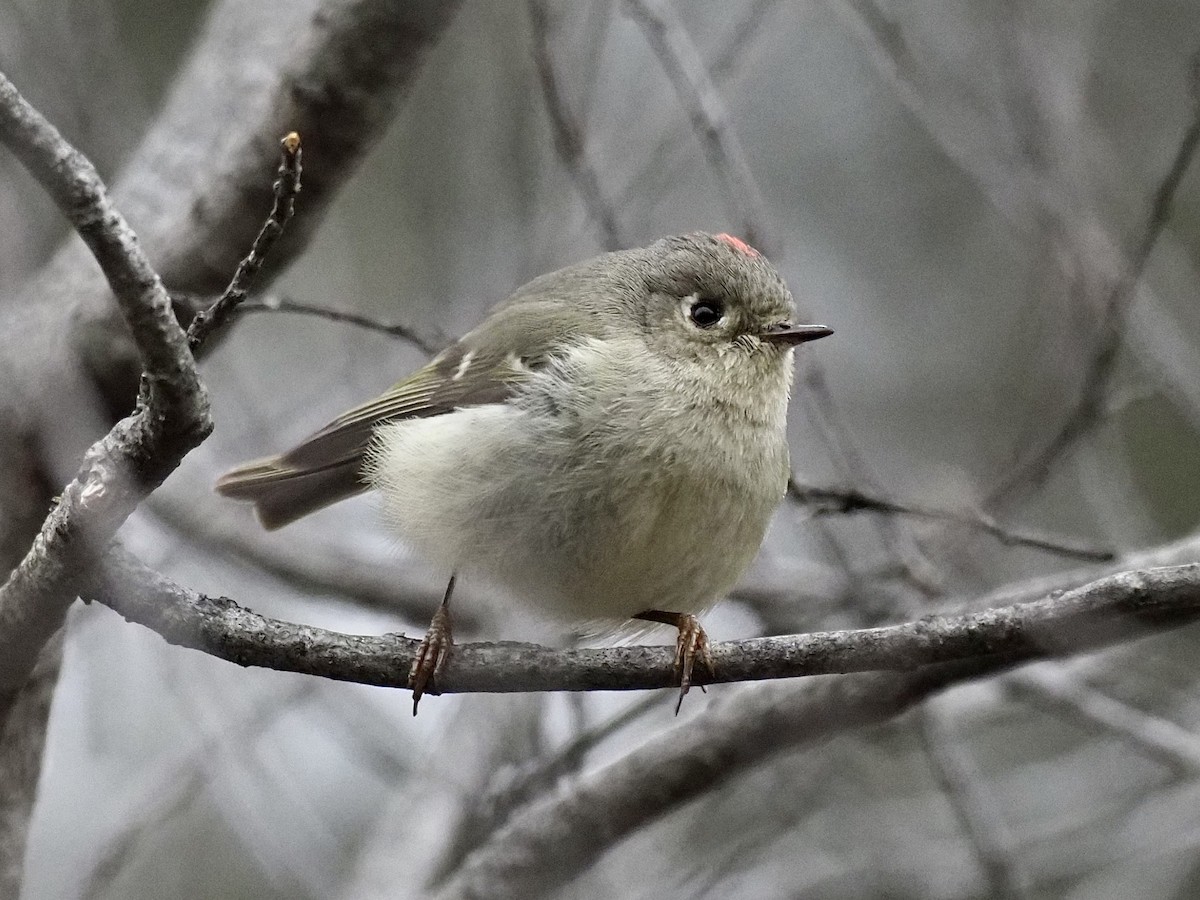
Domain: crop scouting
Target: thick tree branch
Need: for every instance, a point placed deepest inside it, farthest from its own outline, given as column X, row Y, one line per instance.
column 193, row 189
column 550, row 842
column 336, row 78
column 141, row 450
column 333, row 70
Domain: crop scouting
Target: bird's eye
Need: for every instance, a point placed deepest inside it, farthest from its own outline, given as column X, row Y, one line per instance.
column 706, row 313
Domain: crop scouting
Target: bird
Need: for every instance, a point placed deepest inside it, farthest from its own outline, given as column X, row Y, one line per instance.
column 608, row 446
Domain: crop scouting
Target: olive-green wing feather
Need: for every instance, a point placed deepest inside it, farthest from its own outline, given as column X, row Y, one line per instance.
column 481, row 368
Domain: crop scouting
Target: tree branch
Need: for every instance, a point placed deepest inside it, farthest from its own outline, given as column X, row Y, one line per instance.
column 195, row 186
column 334, row 69
column 708, row 114
column 287, row 185
column 826, row 501
column 961, row 781
column 550, row 842
column 1115, row 609
column 426, row 343
column 171, row 418
column 568, row 133
column 1034, row 467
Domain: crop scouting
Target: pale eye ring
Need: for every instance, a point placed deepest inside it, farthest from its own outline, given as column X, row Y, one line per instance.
column 704, row 312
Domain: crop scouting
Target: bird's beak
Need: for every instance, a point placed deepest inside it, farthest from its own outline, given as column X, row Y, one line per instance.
column 790, row 335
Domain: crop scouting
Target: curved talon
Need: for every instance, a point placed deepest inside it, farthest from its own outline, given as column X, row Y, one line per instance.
column 691, row 644
column 431, row 655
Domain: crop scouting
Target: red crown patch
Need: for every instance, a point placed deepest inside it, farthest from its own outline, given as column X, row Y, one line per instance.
column 738, row 244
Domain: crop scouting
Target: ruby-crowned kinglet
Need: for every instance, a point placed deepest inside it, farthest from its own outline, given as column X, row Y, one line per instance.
column 608, row 444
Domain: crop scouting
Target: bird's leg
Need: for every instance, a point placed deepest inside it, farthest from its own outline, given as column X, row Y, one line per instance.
column 691, row 645
column 434, row 650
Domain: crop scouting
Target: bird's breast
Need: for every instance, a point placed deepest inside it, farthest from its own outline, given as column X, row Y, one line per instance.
column 592, row 495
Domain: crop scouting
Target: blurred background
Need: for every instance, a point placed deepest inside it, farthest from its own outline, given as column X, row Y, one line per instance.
column 966, row 192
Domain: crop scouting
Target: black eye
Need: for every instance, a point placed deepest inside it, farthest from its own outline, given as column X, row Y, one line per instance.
column 706, row 313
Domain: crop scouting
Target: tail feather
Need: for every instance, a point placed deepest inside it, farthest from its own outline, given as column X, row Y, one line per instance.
column 283, row 492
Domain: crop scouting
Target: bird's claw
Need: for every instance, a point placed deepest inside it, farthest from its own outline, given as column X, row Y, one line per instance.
column 691, row 645
column 431, row 655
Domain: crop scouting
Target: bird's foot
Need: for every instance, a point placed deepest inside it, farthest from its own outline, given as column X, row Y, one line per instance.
column 691, row 646
column 431, row 655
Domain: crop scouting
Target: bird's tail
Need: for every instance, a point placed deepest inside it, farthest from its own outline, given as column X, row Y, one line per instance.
column 284, row 491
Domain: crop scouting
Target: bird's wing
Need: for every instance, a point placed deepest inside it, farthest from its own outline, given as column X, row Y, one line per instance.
column 480, row 368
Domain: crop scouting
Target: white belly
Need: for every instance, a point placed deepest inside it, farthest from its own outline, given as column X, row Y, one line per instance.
column 489, row 491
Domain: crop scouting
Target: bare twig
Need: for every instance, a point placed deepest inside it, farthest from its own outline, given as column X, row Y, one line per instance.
column 140, row 451
column 963, row 785
column 709, row 117
column 194, row 184
column 726, row 62
column 427, row 343
column 827, row 501
column 1016, row 185
column 1090, row 407
column 173, row 783
column 287, row 185
column 1065, row 693
column 194, row 187
column 710, row 120
column 1119, row 608
column 1006, row 183
column 1018, row 194
column 513, row 788
column 550, row 842
column 368, row 583
column 337, row 81
column 569, row 140
column 753, row 17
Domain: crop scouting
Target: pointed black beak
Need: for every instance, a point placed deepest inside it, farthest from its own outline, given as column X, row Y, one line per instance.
column 795, row 334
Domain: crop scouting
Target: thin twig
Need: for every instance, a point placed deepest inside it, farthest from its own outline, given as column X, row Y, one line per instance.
column 963, row 785
column 1004, row 181
column 550, row 842
column 709, row 116
column 285, row 189
column 726, row 61
column 512, row 789
column 170, row 785
column 1089, row 409
column 1119, row 608
column 324, row 570
column 1064, row 693
column 429, row 344
column 569, row 140
column 830, row 501
column 1018, row 195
